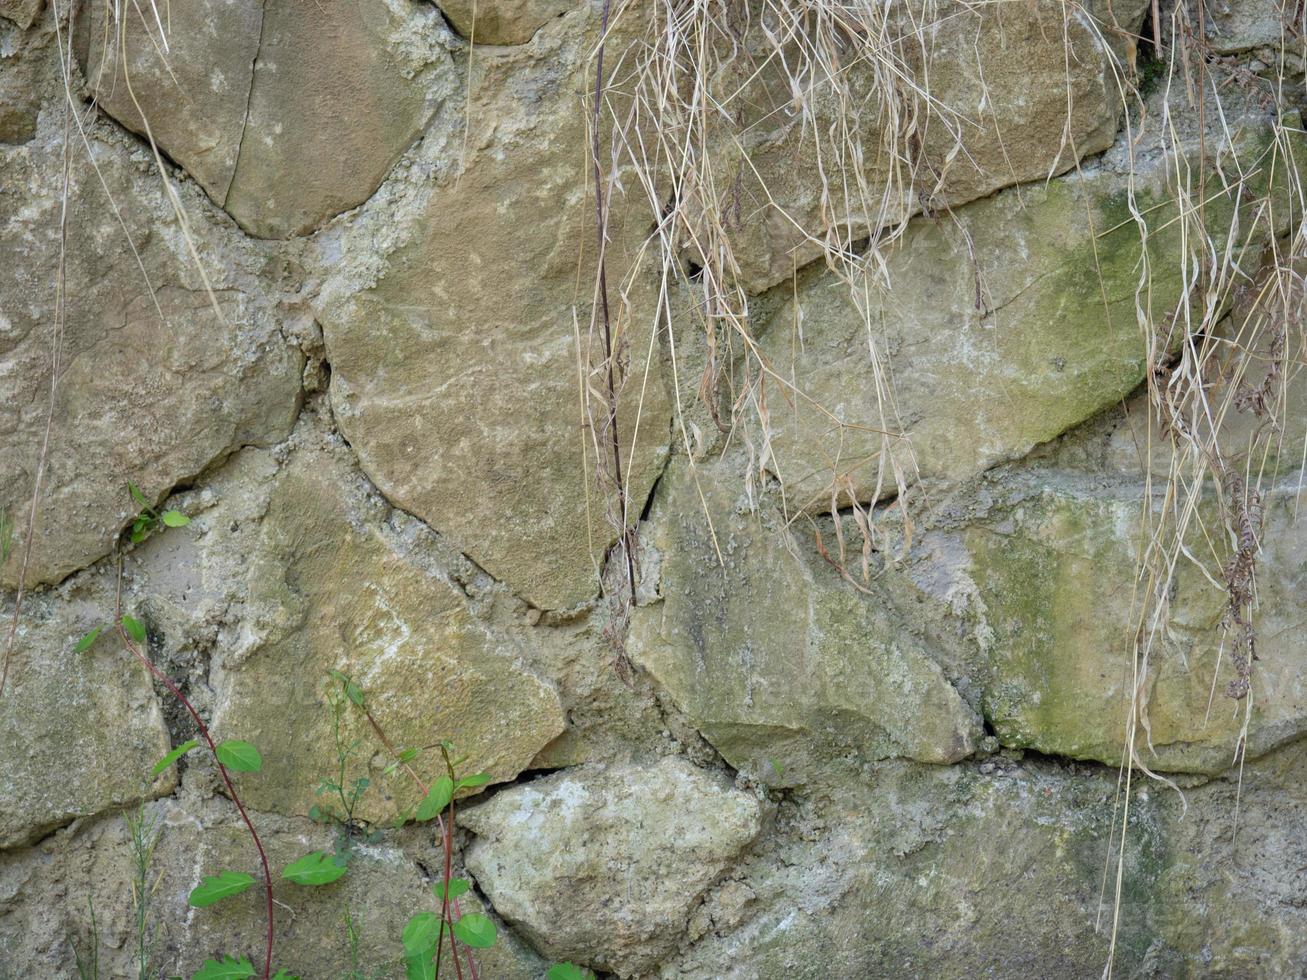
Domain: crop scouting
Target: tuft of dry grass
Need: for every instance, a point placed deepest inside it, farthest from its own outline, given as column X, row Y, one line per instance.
column 680, row 112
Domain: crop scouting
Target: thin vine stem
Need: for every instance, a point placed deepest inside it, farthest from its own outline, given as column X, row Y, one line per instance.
column 446, row 840
column 175, row 691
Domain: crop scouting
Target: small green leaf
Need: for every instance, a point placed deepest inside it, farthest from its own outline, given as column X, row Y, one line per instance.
column 352, row 690
column 408, row 755
column 174, row 518
column 86, row 642
column 479, row 779
column 457, row 886
column 173, row 756
column 420, row 966
column 214, row 888
column 438, row 797
column 284, row 975
column 315, row 868
column 134, row 628
column 240, row 756
column 475, row 930
column 6, row 536
column 226, row 968
column 421, row 933
column 139, row 497
column 567, row 971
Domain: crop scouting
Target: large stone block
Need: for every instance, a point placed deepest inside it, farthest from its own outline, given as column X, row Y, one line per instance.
column 784, row 669
column 602, row 865
column 154, row 384
column 78, row 731
column 997, row 870
column 952, row 102
column 454, row 353
column 329, row 589
column 502, row 21
column 285, row 115
column 1049, row 582
column 999, row 329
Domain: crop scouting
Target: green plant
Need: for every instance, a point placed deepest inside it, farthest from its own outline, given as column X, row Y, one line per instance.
column 353, row 934
column 6, row 536
column 149, row 519
column 88, row 968
column 340, row 812
column 425, row 933
column 230, row 756
column 234, row 968
column 144, row 830
column 568, row 971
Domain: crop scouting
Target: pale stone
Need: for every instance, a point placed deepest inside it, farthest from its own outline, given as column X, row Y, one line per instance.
column 999, row 330
column 784, row 669
column 1017, row 92
column 328, row 589
column 1234, row 26
column 996, row 870
column 455, row 367
column 502, row 21
column 602, row 865
column 151, row 394
column 78, row 731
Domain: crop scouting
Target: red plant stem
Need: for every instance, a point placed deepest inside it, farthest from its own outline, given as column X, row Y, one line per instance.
column 446, row 839
column 163, row 679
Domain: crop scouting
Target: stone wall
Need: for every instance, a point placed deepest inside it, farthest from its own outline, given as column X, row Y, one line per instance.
column 322, row 277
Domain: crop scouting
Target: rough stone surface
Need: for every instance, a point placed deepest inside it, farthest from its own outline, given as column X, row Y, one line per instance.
column 782, row 667
column 603, row 865
column 502, row 21
column 333, row 103
column 79, row 732
column 147, row 393
column 459, row 392
column 331, row 588
column 383, row 887
column 1000, row 330
column 188, row 87
column 1242, row 25
column 996, row 870
column 827, row 741
column 1000, row 81
column 22, row 12
column 1055, row 607
column 329, row 102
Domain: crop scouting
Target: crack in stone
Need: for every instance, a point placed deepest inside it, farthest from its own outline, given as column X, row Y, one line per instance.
column 249, row 102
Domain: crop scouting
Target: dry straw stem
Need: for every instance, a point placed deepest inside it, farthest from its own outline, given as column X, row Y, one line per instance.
column 65, row 22
column 1206, row 368
column 680, row 113
column 700, row 81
